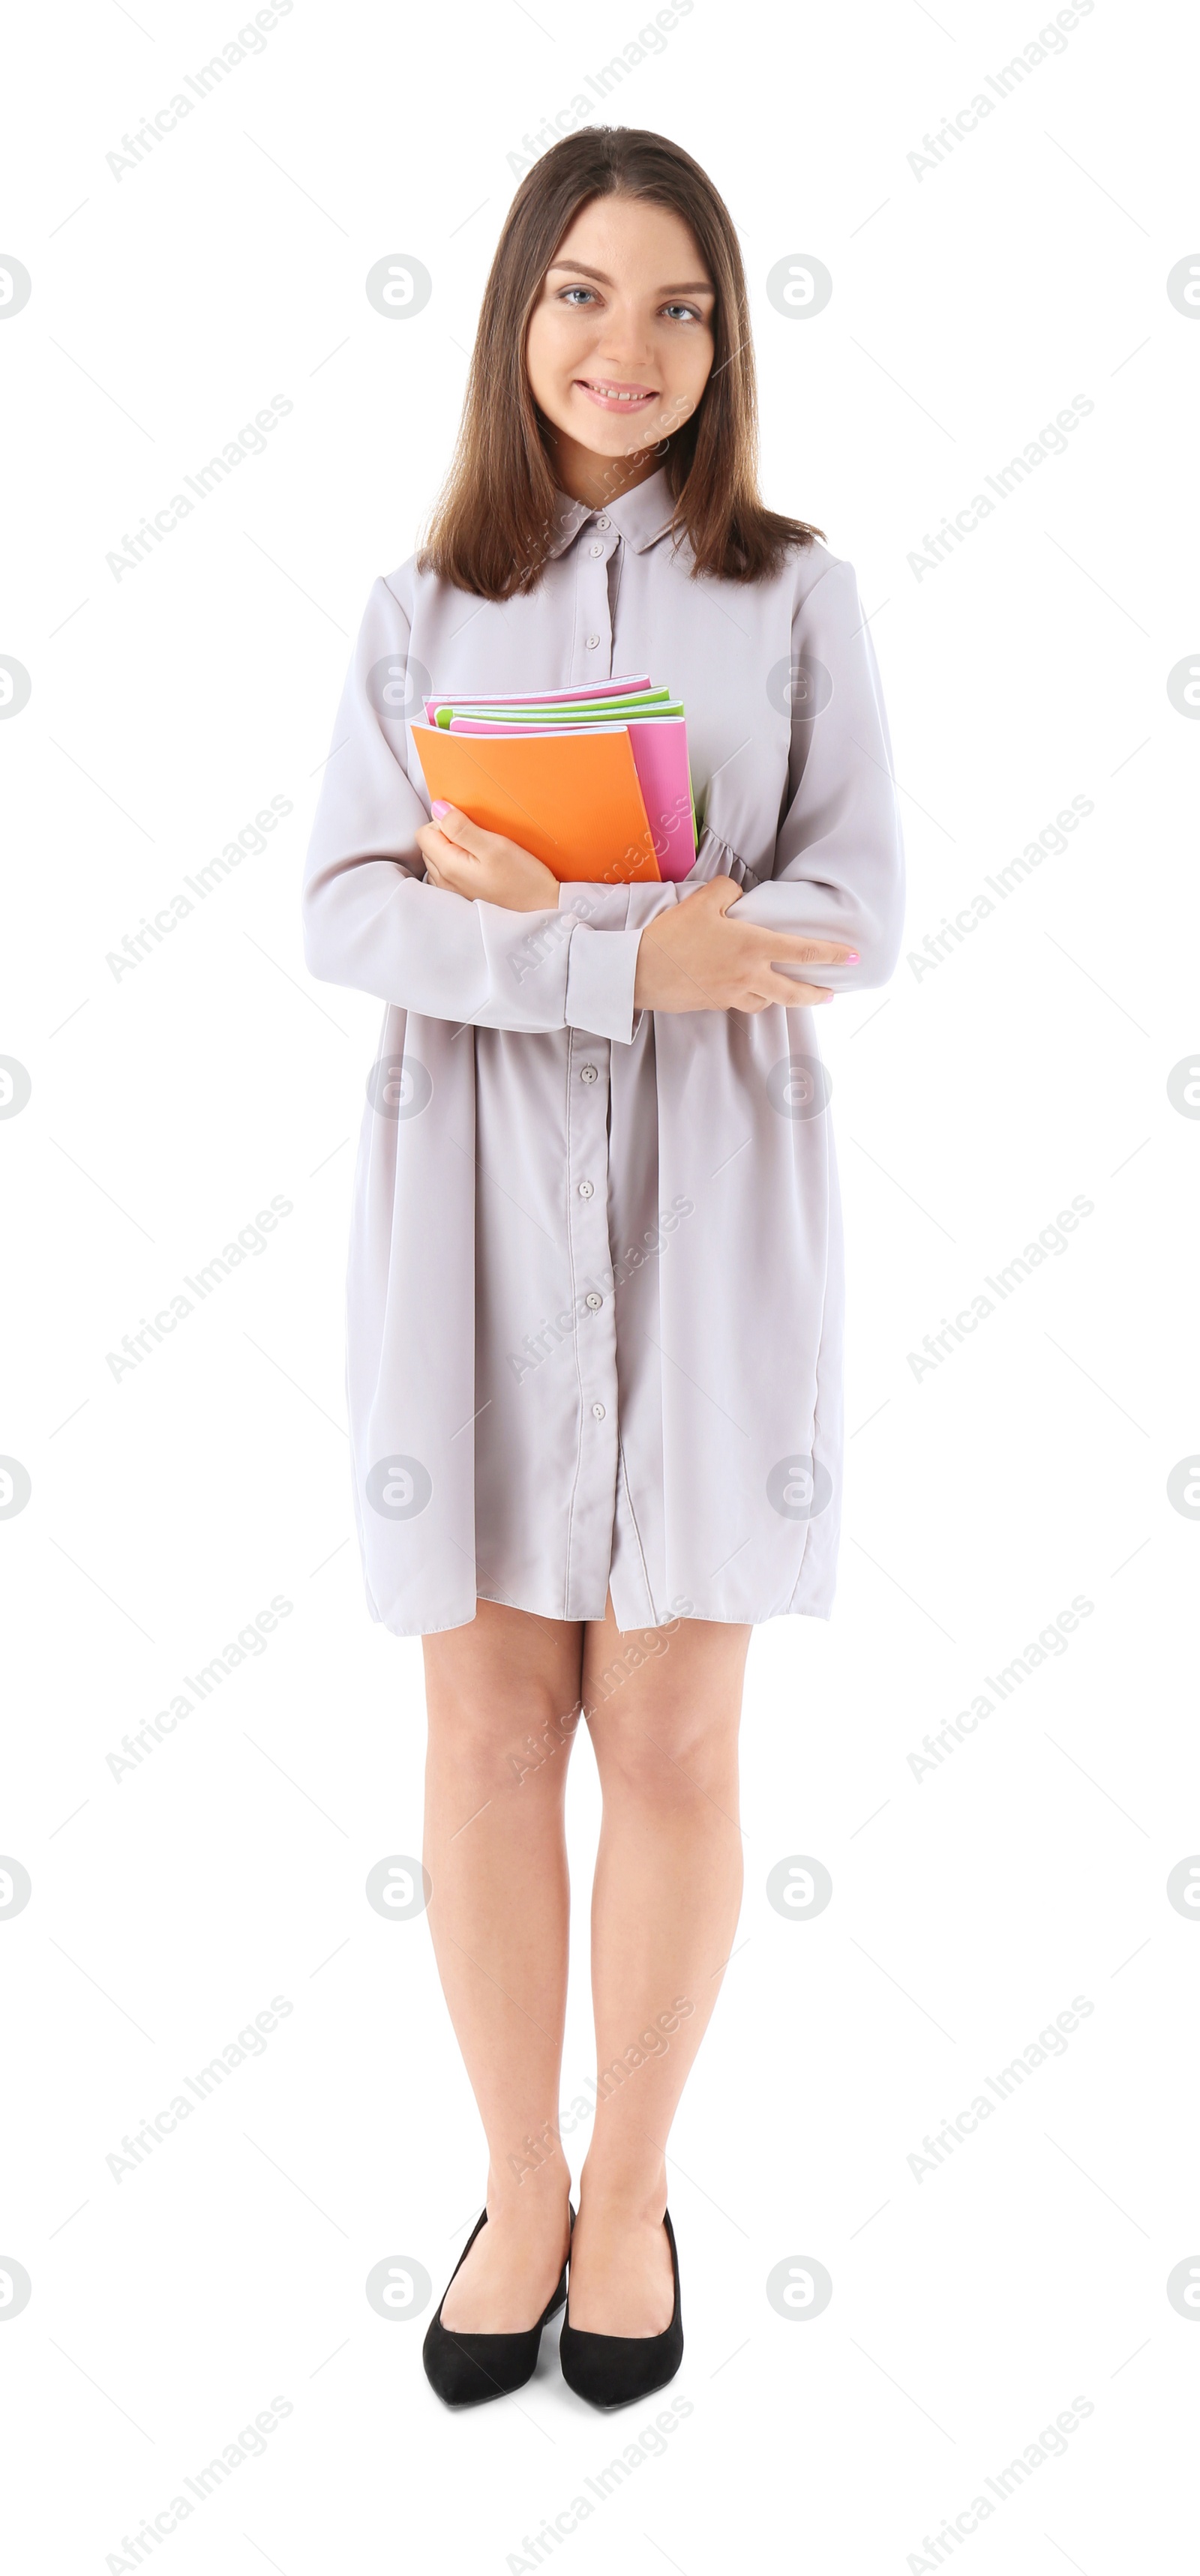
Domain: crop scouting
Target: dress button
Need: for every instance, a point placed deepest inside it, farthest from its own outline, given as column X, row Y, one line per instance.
column 595, row 550
column 587, row 1190
column 598, row 1410
column 602, row 523
column 588, row 1073
column 593, row 1300
column 591, row 641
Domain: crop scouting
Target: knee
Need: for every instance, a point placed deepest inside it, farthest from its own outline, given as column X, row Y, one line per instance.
column 668, row 1754
column 502, row 1737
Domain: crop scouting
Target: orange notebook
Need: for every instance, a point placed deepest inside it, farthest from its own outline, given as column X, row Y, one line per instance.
column 572, row 798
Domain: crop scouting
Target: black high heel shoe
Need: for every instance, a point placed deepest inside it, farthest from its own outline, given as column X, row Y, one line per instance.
column 616, row 2370
column 467, row 2369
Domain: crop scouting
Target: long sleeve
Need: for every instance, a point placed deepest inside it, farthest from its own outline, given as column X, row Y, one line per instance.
column 838, row 870
column 372, row 921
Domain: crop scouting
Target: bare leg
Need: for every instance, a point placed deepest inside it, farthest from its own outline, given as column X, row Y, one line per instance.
column 663, row 1709
column 503, row 1700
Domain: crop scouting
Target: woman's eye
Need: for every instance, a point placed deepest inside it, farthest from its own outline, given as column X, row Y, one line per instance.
column 577, row 296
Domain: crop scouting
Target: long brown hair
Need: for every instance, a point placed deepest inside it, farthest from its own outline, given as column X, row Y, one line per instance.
column 494, row 522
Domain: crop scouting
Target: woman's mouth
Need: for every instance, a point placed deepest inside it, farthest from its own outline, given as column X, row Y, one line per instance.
column 612, row 396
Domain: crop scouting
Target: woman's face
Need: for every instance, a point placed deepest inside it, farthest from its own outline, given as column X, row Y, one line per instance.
column 620, row 342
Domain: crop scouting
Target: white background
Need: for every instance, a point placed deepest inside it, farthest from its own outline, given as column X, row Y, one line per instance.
column 169, row 1103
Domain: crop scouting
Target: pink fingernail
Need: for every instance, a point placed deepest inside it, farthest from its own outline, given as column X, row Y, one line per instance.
column 852, row 956
column 440, row 805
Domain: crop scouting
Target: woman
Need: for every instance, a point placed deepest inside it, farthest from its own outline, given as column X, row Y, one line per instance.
column 595, row 1289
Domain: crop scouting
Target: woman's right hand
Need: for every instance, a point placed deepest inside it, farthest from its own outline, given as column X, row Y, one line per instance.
column 692, row 958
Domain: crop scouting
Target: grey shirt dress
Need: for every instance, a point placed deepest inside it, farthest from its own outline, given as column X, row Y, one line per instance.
column 594, row 1308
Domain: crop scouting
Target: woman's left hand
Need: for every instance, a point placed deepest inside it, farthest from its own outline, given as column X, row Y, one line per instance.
column 463, row 859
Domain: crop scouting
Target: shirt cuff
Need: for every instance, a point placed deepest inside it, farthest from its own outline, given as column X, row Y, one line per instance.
column 601, row 966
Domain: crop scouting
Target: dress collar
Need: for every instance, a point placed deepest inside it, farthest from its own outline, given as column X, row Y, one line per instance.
column 640, row 517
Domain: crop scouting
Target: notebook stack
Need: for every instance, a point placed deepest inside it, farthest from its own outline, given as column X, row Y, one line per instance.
column 594, row 781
